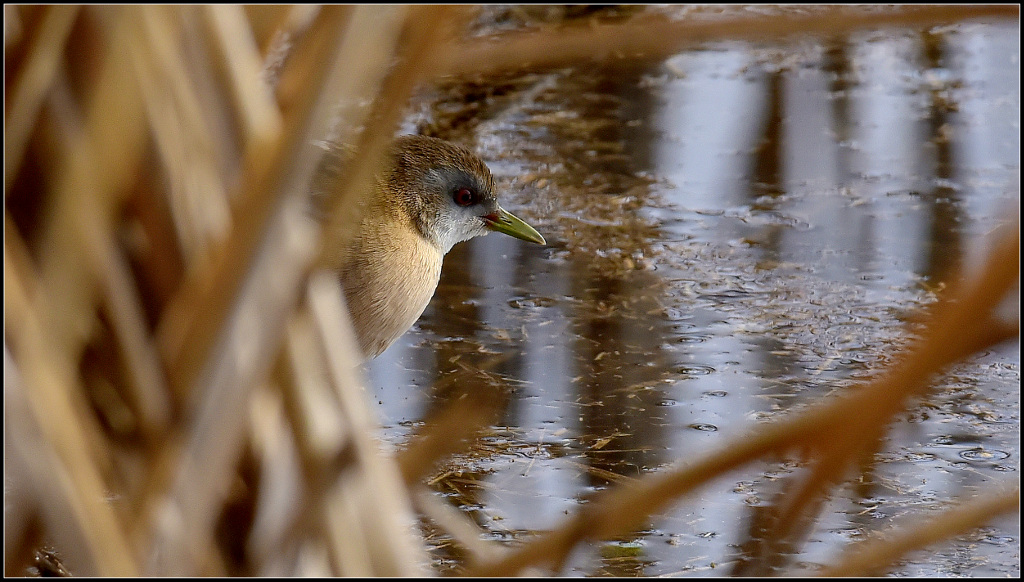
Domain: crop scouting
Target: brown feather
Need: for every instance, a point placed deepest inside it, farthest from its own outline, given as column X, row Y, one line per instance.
column 391, row 269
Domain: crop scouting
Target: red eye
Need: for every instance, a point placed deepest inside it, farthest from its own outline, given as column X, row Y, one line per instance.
column 465, row 197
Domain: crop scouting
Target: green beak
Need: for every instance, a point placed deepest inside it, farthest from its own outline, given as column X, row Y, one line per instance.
column 505, row 222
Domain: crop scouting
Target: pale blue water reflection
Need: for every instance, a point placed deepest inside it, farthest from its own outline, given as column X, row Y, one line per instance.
column 734, row 233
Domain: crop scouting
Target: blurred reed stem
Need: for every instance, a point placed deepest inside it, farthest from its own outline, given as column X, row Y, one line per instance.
column 166, row 153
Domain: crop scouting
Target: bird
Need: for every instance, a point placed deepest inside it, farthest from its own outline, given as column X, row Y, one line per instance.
column 432, row 195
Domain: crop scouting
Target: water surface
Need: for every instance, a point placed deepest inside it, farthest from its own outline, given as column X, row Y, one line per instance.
column 733, row 233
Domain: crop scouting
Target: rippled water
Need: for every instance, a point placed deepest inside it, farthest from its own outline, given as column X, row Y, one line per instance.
column 734, row 232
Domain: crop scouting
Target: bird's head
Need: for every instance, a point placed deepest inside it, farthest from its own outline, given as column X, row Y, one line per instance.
column 448, row 193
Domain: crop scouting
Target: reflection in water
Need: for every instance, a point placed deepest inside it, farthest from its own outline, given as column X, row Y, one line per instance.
column 766, row 188
column 835, row 67
column 733, row 233
column 767, row 175
column 619, row 325
column 944, row 236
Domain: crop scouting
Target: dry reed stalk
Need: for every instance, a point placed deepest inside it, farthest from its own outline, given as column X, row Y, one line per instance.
column 281, row 479
column 147, row 393
column 272, row 283
column 30, row 84
column 422, row 53
column 191, row 320
column 325, row 35
column 94, row 156
column 92, row 167
column 51, row 432
column 958, row 325
column 447, row 434
column 464, row 531
column 658, row 37
column 348, row 496
column 872, row 557
column 213, row 437
column 238, row 157
column 160, row 54
column 191, row 151
column 336, row 523
column 277, row 35
column 239, row 64
column 955, row 333
column 266, row 21
column 321, row 456
column 379, row 497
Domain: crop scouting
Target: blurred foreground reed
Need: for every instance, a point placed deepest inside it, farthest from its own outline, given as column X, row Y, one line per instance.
column 181, row 394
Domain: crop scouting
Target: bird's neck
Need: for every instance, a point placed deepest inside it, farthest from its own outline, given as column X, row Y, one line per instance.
column 389, row 277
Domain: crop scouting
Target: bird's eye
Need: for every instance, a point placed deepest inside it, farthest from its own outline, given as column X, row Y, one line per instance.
column 465, row 197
